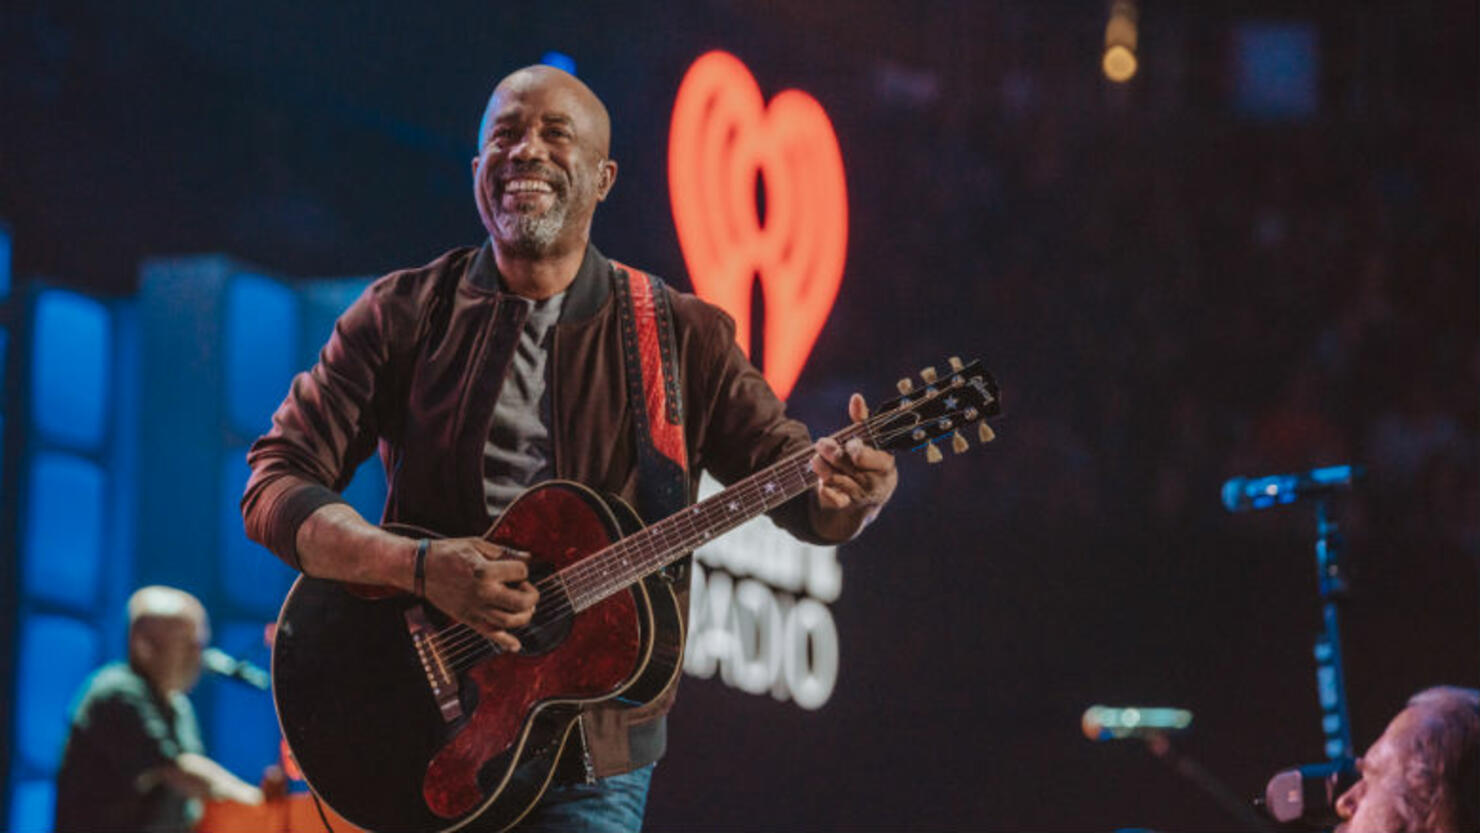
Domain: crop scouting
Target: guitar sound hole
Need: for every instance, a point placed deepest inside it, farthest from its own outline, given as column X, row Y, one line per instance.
column 552, row 615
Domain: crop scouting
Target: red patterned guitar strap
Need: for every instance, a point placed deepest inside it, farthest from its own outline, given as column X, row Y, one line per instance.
column 650, row 352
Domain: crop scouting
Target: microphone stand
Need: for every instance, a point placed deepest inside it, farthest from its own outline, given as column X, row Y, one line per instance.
column 1330, row 675
column 1160, row 747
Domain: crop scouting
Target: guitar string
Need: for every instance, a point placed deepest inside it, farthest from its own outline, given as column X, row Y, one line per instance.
column 456, row 641
column 575, row 579
column 456, row 649
column 581, row 571
column 662, row 532
column 557, row 612
column 474, row 647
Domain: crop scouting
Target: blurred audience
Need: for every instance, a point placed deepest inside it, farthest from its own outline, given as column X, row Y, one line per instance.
column 1174, row 301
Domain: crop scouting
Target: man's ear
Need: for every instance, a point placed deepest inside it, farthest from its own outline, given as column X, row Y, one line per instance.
column 140, row 648
column 606, row 178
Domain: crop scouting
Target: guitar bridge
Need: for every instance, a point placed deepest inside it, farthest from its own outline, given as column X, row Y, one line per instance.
column 440, row 678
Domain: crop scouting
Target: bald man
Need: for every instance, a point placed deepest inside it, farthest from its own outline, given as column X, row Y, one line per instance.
column 496, row 367
column 134, row 758
column 1423, row 774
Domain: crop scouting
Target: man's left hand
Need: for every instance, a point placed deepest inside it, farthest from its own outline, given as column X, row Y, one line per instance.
column 853, row 480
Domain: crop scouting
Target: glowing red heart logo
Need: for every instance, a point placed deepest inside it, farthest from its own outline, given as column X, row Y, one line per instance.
column 723, row 140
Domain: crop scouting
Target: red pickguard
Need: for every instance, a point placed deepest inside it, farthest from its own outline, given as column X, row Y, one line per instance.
column 556, row 523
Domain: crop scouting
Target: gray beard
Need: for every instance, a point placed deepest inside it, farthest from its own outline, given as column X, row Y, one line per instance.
column 531, row 235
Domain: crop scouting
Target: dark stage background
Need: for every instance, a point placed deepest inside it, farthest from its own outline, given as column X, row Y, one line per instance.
column 1258, row 255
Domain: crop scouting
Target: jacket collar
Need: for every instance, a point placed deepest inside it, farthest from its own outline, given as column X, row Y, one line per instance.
column 587, row 293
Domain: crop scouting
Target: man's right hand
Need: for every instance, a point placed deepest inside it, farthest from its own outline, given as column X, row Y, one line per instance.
column 482, row 585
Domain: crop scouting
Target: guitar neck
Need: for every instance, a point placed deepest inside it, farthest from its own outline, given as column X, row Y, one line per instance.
column 915, row 420
column 655, row 547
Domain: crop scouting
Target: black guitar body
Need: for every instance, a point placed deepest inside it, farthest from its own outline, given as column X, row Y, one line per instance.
column 373, row 741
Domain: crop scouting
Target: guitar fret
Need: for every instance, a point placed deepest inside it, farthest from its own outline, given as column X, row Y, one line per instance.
column 632, row 558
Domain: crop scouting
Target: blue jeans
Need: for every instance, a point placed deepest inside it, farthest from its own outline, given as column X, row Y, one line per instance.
column 611, row 805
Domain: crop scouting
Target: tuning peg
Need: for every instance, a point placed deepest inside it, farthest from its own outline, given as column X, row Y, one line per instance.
column 928, row 374
column 905, row 385
column 932, row 454
column 958, row 442
column 956, row 363
column 985, row 433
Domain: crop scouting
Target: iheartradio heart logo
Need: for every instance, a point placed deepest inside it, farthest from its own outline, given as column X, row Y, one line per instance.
column 724, row 144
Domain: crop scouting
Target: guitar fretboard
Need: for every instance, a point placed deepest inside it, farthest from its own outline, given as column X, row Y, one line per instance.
column 630, row 559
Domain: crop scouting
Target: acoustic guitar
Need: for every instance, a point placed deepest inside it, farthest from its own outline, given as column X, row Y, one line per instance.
column 404, row 719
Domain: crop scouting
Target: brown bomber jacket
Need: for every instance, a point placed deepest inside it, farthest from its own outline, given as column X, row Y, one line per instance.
column 406, row 369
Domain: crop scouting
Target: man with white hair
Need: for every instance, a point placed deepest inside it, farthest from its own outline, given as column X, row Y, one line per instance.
column 1423, row 774
column 134, row 758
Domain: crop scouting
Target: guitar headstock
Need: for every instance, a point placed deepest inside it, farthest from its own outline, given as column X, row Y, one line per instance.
column 939, row 407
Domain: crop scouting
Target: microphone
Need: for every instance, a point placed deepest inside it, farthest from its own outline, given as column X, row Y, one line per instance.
column 1242, row 494
column 1101, row 723
column 219, row 662
column 1308, row 793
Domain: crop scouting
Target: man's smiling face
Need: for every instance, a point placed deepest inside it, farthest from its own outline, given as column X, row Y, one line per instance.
column 542, row 164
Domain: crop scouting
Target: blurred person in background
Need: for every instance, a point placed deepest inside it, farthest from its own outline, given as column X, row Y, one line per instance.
column 1423, row 774
column 134, row 758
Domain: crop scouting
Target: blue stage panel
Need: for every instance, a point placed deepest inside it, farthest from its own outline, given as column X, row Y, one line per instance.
column 253, row 577
column 366, row 492
column 57, row 654
column 4, row 262
column 323, row 302
column 32, row 806
column 243, row 733
column 261, row 350
column 70, row 366
column 63, row 557
column 4, row 350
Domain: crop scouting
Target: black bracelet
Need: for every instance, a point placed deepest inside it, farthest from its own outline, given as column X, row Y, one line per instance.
column 421, row 566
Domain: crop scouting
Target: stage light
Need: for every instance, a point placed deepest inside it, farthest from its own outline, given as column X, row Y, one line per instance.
column 1119, row 64
column 1119, row 61
column 559, row 60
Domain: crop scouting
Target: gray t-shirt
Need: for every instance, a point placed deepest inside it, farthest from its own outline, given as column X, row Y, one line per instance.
column 516, row 454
